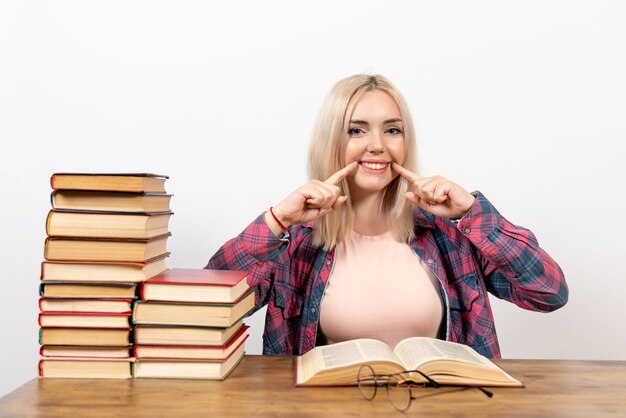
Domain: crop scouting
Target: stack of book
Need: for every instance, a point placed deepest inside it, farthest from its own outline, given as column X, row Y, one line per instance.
column 106, row 233
column 188, row 324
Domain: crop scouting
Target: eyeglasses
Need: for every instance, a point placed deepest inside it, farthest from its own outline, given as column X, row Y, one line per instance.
column 397, row 386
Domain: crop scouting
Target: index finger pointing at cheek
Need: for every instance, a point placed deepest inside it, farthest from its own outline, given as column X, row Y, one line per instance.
column 341, row 174
column 410, row 176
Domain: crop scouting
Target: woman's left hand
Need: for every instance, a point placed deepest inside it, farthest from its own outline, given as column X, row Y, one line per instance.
column 436, row 194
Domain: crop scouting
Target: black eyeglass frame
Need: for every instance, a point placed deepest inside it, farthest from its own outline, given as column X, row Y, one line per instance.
column 371, row 379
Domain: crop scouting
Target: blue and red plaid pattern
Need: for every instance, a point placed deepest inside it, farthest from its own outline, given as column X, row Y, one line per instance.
column 481, row 253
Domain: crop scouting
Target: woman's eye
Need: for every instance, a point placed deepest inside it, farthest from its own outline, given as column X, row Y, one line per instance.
column 355, row 131
column 394, row 131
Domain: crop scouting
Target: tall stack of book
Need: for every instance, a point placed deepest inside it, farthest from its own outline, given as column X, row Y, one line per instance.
column 188, row 324
column 106, row 233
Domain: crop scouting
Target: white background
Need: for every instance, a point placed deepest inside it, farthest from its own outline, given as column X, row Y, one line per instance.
column 524, row 101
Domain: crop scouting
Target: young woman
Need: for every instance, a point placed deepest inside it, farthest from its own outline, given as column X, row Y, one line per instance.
column 370, row 249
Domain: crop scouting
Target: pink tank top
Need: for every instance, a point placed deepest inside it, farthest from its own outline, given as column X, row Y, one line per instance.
column 379, row 288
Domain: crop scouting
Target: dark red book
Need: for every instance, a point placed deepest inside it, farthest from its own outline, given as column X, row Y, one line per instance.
column 196, row 285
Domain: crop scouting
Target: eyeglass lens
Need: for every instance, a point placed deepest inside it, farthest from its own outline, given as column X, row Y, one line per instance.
column 367, row 382
column 399, row 394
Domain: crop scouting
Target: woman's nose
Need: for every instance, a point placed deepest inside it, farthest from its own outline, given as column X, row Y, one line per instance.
column 375, row 144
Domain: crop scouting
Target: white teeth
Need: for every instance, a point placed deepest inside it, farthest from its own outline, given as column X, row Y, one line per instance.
column 374, row 166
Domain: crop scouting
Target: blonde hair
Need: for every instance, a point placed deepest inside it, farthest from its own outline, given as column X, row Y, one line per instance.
column 326, row 156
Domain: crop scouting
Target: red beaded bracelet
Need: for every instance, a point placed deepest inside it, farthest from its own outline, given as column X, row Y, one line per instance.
column 276, row 219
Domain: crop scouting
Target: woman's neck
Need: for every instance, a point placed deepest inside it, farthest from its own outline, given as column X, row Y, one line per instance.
column 368, row 217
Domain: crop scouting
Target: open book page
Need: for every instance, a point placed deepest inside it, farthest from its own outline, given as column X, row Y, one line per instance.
column 445, row 362
column 355, row 351
column 451, row 363
column 416, row 351
column 340, row 362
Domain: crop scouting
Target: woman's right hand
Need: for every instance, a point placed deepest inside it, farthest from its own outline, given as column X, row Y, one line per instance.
column 311, row 201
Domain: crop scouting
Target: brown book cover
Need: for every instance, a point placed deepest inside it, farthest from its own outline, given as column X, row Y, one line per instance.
column 120, row 182
column 83, row 271
column 110, row 201
column 138, row 250
column 101, row 290
column 103, row 224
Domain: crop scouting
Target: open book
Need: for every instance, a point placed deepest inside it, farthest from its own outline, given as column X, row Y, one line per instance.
column 445, row 362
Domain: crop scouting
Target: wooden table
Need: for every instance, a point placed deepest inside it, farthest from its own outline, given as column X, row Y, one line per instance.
column 263, row 386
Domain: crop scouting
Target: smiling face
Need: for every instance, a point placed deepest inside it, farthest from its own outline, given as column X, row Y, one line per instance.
column 374, row 138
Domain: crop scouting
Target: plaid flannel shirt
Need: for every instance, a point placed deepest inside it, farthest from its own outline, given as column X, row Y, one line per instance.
column 483, row 252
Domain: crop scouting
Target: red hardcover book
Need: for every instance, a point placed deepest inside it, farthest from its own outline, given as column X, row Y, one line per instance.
column 195, row 352
column 196, row 285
